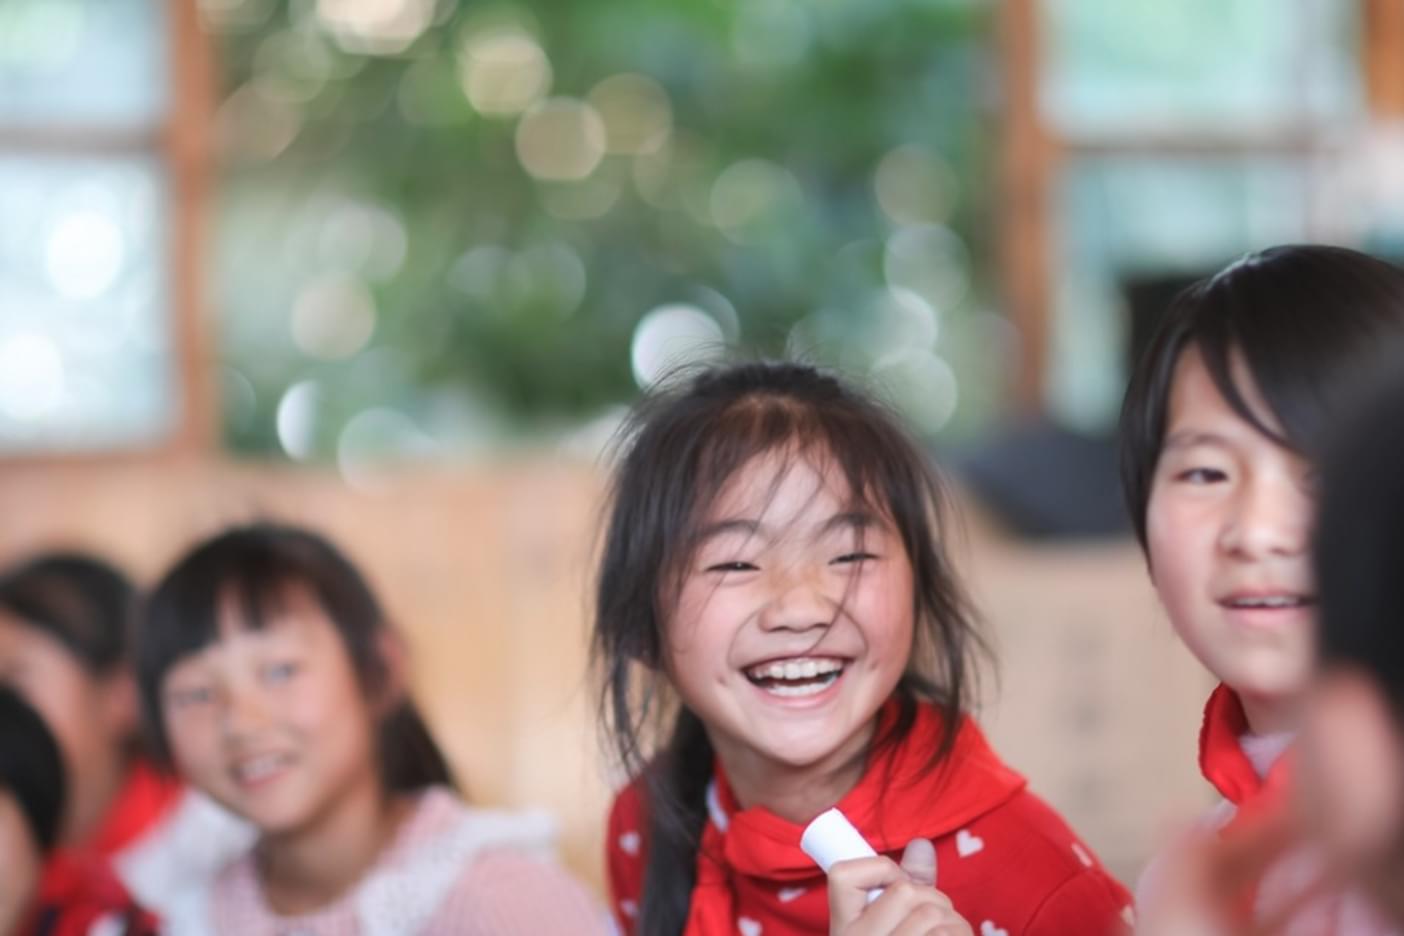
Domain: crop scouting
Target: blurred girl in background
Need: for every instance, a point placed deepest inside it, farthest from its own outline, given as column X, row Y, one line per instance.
column 274, row 684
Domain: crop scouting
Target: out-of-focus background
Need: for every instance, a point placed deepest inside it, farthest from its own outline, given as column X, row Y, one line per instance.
column 395, row 267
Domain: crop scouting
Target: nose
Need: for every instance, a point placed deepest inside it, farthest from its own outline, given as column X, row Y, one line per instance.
column 799, row 599
column 243, row 712
column 1269, row 517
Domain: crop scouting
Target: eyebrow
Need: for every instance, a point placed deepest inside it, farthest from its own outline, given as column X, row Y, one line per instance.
column 1191, row 438
column 855, row 519
column 737, row 525
column 852, row 519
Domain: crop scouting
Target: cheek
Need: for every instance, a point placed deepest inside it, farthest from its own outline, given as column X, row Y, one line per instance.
column 702, row 627
column 330, row 705
column 193, row 739
column 1173, row 552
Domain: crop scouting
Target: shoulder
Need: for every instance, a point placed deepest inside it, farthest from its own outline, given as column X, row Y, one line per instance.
column 230, row 900
column 1021, row 869
column 507, row 892
column 184, row 851
column 458, row 869
column 628, row 806
column 628, row 823
column 624, row 851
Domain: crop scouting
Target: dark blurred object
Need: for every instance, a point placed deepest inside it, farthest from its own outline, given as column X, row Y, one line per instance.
column 1045, row 481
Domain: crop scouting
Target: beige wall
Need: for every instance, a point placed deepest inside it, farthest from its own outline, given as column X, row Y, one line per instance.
column 486, row 568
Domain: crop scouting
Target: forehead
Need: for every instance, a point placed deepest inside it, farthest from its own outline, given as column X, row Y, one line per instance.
column 290, row 616
column 782, row 486
column 1196, row 403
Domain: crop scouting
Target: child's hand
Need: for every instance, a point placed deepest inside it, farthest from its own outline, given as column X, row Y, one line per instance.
column 1205, row 885
column 910, row 904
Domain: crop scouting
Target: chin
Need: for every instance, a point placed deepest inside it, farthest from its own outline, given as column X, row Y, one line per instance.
column 1276, row 685
column 802, row 749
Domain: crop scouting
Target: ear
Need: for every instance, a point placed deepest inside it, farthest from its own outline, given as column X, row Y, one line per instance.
column 394, row 654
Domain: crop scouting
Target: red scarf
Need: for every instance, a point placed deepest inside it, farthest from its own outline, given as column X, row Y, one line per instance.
column 1228, row 768
column 746, row 853
column 80, row 885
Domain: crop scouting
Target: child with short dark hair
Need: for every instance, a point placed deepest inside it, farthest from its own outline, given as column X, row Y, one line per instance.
column 1349, row 773
column 1221, row 427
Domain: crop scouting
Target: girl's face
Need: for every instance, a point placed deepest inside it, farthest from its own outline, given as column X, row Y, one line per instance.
column 794, row 619
column 92, row 717
column 272, row 723
column 1228, row 530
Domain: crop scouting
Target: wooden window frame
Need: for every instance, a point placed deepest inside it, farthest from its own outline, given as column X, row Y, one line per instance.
column 1031, row 153
column 183, row 144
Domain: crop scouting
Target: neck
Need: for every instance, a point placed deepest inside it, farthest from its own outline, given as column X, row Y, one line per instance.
column 305, row 869
column 1269, row 715
column 97, row 789
column 795, row 793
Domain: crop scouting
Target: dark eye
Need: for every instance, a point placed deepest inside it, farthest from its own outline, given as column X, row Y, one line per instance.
column 847, row 558
column 734, row 566
column 1202, row 476
column 279, row 672
column 191, row 697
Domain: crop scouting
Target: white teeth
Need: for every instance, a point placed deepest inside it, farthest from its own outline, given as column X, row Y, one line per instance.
column 803, row 690
column 1268, row 601
column 259, row 768
column 791, row 670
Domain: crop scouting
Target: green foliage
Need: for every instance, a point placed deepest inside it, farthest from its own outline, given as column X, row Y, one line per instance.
column 504, row 305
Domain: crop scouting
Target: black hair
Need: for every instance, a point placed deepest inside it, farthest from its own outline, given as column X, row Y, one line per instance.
column 1359, row 548
column 31, row 768
column 1300, row 317
column 254, row 566
column 680, row 447
column 83, row 602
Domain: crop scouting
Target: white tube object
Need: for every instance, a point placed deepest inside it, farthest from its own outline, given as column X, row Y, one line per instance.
column 831, row 838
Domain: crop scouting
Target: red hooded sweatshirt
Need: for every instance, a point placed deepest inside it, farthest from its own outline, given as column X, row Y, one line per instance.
column 1009, row 863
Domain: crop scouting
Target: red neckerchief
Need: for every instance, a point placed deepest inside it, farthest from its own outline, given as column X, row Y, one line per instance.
column 1224, row 764
column 1227, row 767
column 899, row 798
column 79, row 882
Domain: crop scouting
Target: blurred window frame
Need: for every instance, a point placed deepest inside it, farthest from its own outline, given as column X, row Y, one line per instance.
column 182, row 142
column 1032, row 152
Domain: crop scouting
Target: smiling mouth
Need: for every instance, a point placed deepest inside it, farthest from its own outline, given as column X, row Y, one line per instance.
column 798, row 676
column 1268, row 602
column 254, row 771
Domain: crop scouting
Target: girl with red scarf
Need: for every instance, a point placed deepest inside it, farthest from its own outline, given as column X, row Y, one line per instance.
column 780, row 632
column 1221, row 434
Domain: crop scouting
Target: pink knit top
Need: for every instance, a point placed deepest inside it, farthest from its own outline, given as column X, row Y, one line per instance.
column 451, row 871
